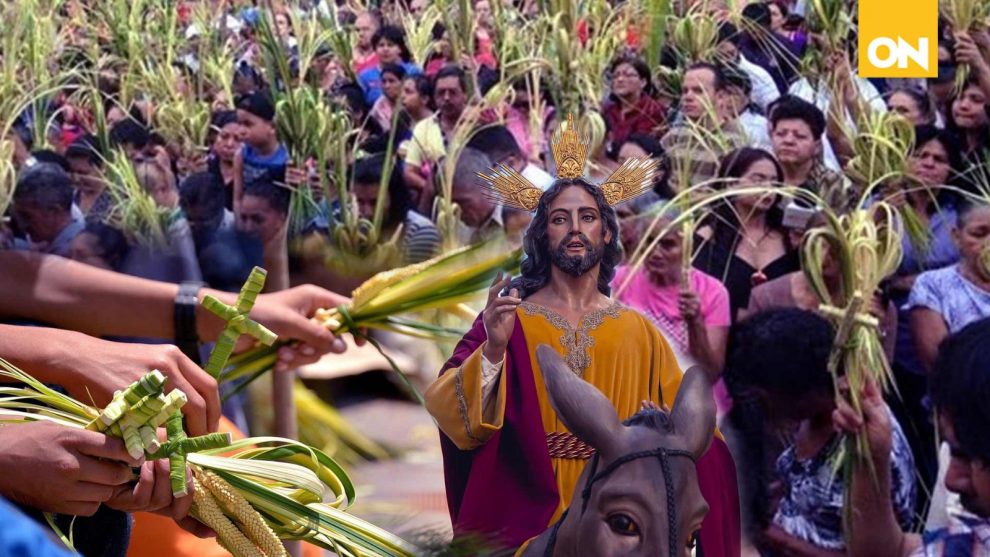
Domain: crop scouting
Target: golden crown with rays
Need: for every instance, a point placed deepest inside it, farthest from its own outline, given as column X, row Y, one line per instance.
column 570, row 152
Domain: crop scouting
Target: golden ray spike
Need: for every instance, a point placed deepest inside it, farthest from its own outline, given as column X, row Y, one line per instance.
column 570, row 150
column 508, row 187
column 632, row 179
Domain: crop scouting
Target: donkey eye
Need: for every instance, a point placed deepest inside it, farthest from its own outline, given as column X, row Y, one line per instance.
column 623, row 525
column 693, row 540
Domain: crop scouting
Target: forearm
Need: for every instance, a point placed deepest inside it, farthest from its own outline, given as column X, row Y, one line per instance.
column 837, row 137
column 76, row 296
column 36, row 350
column 875, row 531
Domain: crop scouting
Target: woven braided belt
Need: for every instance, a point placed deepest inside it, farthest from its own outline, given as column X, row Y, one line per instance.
column 565, row 445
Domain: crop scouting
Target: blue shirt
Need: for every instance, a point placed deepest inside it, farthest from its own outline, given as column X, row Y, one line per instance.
column 941, row 252
column 22, row 537
column 947, row 292
column 258, row 167
column 812, row 506
column 371, row 81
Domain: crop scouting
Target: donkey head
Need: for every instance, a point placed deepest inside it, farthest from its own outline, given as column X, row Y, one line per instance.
column 626, row 510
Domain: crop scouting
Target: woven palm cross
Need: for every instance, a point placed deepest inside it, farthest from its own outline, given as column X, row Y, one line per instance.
column 238, row 322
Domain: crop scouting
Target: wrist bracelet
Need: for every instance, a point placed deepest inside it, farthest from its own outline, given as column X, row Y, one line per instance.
column 184, row 318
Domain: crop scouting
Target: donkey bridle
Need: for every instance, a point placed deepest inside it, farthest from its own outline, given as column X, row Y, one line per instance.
column 663, row 455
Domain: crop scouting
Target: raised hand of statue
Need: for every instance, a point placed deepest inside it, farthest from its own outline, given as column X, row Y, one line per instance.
column 499, row 318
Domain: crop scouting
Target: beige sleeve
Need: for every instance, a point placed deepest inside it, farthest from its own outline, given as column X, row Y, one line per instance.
column 456, row 400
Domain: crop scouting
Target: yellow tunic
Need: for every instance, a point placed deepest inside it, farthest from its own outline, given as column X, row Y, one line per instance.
column 615, row 349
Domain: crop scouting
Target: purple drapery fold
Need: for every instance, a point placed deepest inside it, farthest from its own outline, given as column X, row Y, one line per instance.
column 504, row 489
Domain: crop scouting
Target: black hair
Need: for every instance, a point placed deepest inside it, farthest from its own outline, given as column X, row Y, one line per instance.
column 716, row 70
column 49, row 156
column 86, row 147
column 654, row 149
column 46, row 185
column 395, row 35
column 258, row 103
column 783, row 351
column 965, row 207
column 438, row 31
column 204, row 191
column 960, row 387
column 353, row 97
column 928, row 133
column 757, row 13
column 451, row 70
column 638, row 64
column 369, row 171
column 134, row 112
column 737, row 77
column 921, row 100
column 222, row 118
column 724, row 220
column 791, row 107
column 247, row 71
column 346, row 17
column 495, row 141
column 218, row 120
column 423, row 85
column 782, row 6
column 112, row 242
column 971, row 81
column 128, row 131
column 395, row 69
column 727, row 32
column 535, row 268
column 276, row 196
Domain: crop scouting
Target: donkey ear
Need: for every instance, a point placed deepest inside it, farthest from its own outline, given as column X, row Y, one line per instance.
column 694, row 411
column 584, row 409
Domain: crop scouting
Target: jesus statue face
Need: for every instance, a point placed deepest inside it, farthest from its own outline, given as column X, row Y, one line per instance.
column 576, row 233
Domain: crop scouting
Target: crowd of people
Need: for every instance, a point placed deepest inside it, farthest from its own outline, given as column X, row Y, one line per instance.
column 744, row 309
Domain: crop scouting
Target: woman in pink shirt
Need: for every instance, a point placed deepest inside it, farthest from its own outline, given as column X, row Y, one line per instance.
column 693, row 314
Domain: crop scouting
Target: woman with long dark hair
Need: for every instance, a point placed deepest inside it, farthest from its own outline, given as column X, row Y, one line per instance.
column 744, row 242
column 967, row 118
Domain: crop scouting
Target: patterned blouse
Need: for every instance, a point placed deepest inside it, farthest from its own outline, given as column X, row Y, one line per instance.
column 966, row 536
column 811, row 508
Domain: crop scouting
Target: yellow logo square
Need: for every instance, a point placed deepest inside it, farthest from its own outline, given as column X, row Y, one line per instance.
column 898, row 38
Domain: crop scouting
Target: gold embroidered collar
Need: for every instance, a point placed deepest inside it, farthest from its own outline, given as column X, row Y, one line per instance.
column 576, row 342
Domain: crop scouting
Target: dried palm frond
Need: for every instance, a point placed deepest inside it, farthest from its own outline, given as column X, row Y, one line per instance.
column 964, row 16
column 134, row 211
column 380, row 302
column 299, row 492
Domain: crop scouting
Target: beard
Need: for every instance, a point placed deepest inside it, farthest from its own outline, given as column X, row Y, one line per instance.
column 576, row 265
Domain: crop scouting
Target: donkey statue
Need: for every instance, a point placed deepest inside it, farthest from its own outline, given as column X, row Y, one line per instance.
column 638, row 496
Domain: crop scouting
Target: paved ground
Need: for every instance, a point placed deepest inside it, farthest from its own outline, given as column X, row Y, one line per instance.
column 405, row 495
